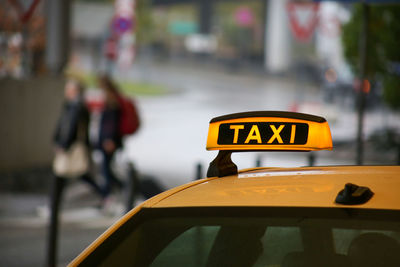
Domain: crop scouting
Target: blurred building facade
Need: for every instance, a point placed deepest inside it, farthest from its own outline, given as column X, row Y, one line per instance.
column 29, row 98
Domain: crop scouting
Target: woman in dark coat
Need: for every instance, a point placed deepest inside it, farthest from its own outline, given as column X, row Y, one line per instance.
column 73, row 125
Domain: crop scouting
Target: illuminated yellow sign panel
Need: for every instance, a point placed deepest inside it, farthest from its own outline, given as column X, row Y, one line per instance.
column 269, row 130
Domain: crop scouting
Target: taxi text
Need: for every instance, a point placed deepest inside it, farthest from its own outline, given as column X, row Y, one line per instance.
column 263, row 133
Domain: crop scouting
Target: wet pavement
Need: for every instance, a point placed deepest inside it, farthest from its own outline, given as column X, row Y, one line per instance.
column 24, row 224
column 173, row 137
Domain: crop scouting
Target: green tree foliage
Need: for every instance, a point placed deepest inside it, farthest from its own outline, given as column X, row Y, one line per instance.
column 383, row 62
column 144, row 22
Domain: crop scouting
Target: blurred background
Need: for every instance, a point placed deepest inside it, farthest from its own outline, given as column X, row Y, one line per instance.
column 183, row 62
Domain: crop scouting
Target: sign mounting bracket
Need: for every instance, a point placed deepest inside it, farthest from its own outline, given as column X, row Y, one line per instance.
column 222, row 165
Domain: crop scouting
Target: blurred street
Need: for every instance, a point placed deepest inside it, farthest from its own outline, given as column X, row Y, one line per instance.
column 176, row 124
column 169, row 145
column 181, row 63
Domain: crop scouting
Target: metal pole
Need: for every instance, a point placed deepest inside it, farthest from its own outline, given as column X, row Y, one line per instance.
column 133, row 187
column 199, row 171
column 265, row 5
column 205, row 16
column 311, row 159
column 55, row 200
column 398, row 153
column 363, row 75
column 57, row 34
column 258, row 161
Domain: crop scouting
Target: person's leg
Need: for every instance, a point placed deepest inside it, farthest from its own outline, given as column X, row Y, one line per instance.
column 108, row 176
column 111, row 179
column 117, row 181
column 89, row 180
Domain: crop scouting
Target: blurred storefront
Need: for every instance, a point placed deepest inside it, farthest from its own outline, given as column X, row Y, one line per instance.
column 236, row 32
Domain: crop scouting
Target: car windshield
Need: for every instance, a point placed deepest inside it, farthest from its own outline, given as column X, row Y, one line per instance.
column 254, row 237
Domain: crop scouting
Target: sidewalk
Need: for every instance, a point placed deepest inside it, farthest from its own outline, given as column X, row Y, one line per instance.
column 79, row 205
column 24, row 220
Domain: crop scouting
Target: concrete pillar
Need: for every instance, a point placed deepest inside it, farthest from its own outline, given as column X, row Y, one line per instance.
column 278, row 41
column 57, row 34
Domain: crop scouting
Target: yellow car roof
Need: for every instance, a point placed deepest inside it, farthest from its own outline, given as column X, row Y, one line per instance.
column 287, row 187
column 309, row 187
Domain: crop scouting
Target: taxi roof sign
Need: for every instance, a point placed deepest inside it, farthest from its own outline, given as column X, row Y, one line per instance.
column 269, row 130
column 263, row 131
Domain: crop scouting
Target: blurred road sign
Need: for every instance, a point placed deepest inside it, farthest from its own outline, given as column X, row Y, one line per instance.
column 121, row 46
column 24, row 14
column 120, row 25
column 111, row 48
column 182, row 27
column 244, row 16
column 303, row 18
column 126, row 57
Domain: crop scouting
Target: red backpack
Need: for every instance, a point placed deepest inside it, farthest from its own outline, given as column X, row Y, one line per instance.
column 129, row 121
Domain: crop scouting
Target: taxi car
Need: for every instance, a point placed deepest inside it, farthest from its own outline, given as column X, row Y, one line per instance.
column 308, row 216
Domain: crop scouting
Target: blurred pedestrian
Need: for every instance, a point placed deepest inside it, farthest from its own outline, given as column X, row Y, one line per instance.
column 72, row 159
column 109, row 132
